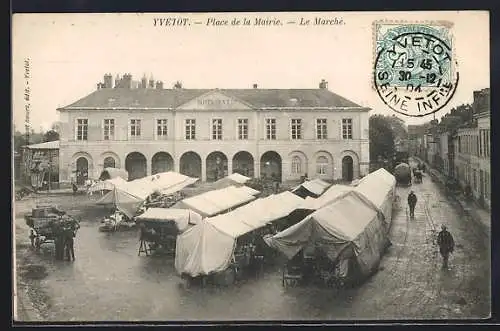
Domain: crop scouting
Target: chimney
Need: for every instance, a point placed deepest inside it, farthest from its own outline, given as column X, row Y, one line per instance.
column 255, row 86
column 127, row 81
column 159, row 85
column 151, row 82
column 118, row 81
column 323, row 84
column 108, row 81
column 144, row 82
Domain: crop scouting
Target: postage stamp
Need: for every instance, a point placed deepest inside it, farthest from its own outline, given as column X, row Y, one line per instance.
column 415, row 70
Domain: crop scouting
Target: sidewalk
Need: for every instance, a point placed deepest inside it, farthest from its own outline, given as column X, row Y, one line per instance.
column 470, row 209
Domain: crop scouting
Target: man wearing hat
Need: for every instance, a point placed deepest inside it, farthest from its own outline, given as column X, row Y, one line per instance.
column 412, row 202
column 446, row 244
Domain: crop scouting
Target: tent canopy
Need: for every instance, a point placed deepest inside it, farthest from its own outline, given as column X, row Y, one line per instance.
column 379, row 187
column 313, row 188
column 128, row 196
column 166, row 183
column 217, row 201
column 333, row 193
column 182, row 217
column 231, row 180
column 107, row 185
column 208, row 246
column 351, row 222
column 122, row 200
column 110, row 173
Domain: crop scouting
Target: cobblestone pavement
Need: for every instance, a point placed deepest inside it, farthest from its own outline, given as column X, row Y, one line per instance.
column 108, row 281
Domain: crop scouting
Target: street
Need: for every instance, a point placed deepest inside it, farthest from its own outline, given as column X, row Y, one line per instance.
column 110, row 282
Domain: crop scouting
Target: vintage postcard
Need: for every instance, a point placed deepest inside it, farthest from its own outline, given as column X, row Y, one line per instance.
column 251, row 166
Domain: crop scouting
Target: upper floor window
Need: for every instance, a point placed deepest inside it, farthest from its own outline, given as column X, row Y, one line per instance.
column 190, row 129
column 82, row 129
column 135, row 128
column 109, row 129
column 321, row 132
column 271, row 128
column 242, row 128
column 347, row 128
column 217, row 129
column 161, row 129
column 296, row 128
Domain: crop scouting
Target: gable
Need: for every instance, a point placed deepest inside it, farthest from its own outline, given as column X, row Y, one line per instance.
column 215, row 100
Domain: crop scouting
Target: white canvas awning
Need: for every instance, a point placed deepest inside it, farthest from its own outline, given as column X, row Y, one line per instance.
column 107, row 185
column 351, row 221
column 209, row 247
column 314, row 187
column 182, row 217
column 330, row 195
column 379, row 187
column 214, row 202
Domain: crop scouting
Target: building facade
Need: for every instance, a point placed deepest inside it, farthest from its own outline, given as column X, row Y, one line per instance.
column 280, row 133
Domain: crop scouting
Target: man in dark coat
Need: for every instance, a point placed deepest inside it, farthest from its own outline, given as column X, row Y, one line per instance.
column 69, row 249
column 412, row 202
column 446, row 245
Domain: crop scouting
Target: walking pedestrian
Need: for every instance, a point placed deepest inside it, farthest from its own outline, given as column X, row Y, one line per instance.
column 412, row 202
column 446, row 245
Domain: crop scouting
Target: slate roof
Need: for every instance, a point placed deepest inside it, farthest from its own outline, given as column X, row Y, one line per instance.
column 173, row 98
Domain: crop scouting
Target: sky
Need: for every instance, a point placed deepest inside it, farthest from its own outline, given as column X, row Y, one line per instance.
column 70, row 53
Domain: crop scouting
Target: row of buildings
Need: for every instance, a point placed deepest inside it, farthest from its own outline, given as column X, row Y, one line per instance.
column 459, row 145
column 210, row 133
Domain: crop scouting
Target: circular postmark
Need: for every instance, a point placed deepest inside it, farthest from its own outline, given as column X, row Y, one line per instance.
column 415, row 73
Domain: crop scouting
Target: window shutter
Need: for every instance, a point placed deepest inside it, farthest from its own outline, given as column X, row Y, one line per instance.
column 75, row 129
column 102, row 129
column 155, row 129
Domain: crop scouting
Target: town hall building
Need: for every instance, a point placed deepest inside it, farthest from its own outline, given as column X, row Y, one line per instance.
column 211, row 133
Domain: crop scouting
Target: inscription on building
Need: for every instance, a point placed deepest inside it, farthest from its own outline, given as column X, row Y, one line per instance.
column 214, row 102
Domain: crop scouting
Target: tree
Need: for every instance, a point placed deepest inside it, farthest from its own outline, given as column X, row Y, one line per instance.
column 381, row 138
column 178, row 84
column 50, row 135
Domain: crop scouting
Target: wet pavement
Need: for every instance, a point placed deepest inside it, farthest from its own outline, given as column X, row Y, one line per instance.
column 110, row 282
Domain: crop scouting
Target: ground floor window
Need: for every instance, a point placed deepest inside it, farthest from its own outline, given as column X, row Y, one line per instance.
column 296, row 165
column 321, row 165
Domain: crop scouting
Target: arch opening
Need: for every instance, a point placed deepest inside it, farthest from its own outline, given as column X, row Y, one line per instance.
column 216, row 166
column 270, row 166
column 161, row 162
column 243, row 163
column 136, row 165
column 190, row 164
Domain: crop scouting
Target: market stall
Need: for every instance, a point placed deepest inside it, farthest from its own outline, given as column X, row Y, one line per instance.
column 347, row 239
column 218, row 201
column 380, row 188
column 312, row 188
column 230, row 242
column 160, row 228
column 112, row 173
column 129, row 196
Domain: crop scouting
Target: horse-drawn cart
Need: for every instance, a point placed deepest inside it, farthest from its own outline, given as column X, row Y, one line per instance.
column 46, row 223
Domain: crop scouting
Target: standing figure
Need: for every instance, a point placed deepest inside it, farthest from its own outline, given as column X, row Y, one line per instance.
column 69, row 234
column 75, row 188
column 446, row 245
column 412, row 202
column 32, row 237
